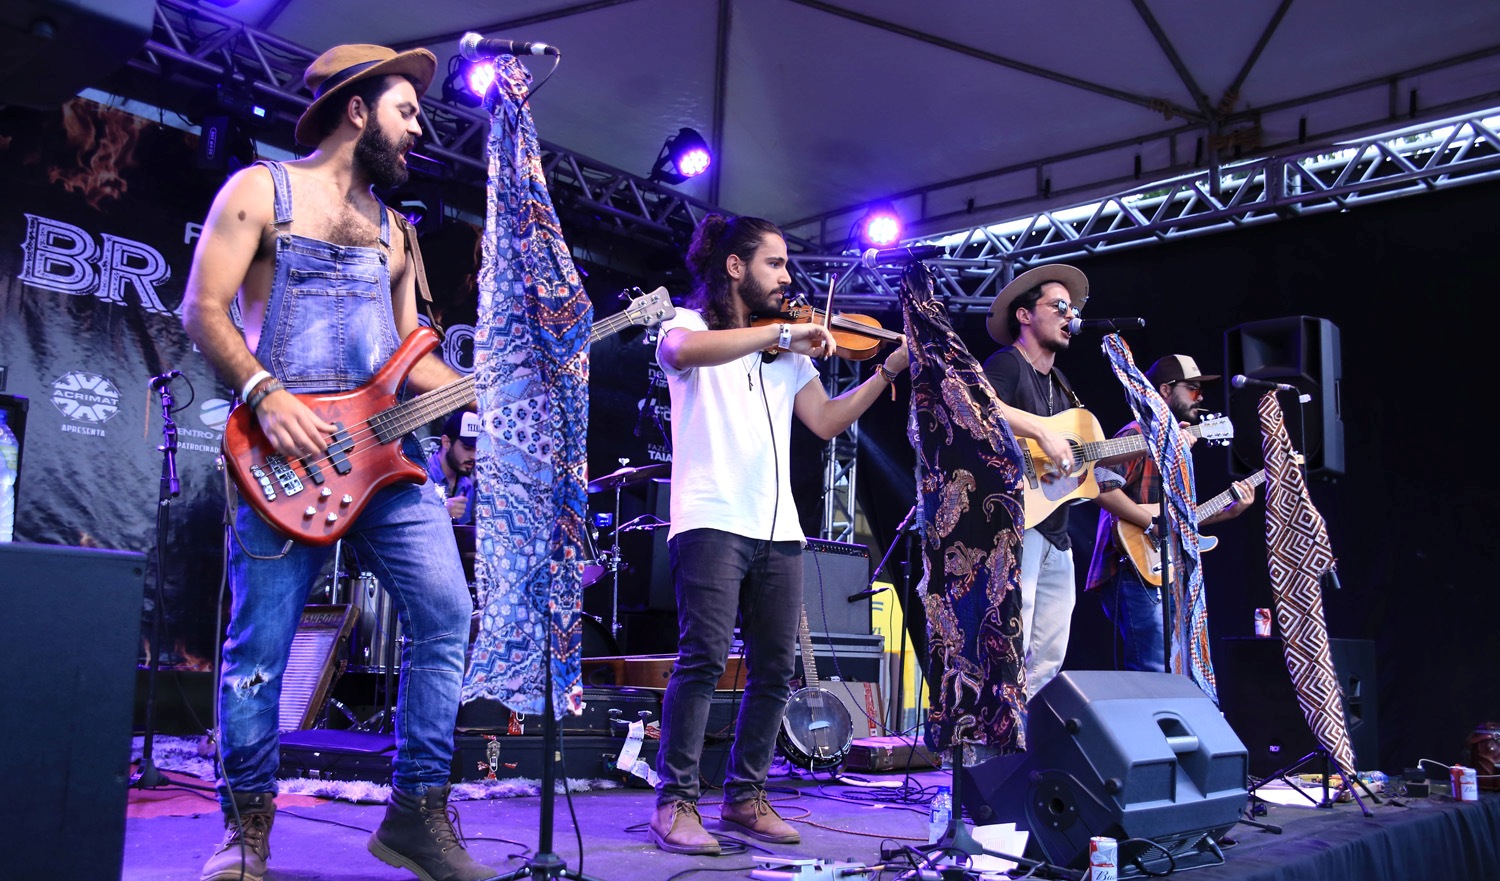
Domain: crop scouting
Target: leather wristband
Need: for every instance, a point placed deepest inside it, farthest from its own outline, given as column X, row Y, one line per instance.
column 250, row 384
column 266, row 388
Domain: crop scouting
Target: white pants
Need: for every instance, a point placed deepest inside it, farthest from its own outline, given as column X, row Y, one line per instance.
column 1047, row 598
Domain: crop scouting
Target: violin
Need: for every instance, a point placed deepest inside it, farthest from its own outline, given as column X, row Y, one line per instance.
column 855, row 337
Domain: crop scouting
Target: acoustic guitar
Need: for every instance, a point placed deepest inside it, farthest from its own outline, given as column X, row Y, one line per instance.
column 816, row 731
column 1140, row 548
column 1088, row 443
column 315, row 500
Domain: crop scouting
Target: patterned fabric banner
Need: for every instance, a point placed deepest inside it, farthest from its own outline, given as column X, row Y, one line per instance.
column 1165, row 446
column 969, row 471
column 532, row 371
column 1298, row 553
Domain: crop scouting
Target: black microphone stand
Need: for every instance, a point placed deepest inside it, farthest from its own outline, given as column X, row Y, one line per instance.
column 149, row 776
column 546, row 863
column 901, row 529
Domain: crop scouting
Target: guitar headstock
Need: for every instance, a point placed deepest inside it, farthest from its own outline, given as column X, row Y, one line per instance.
column 1216, row 429
column 649, row 310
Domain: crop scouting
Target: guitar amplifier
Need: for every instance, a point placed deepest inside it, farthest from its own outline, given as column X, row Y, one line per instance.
column 831, row 573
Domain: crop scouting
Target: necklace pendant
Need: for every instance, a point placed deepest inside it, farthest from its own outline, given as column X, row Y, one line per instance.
column 750, row 381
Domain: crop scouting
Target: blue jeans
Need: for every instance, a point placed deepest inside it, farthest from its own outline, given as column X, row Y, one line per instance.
column 719, row 575
column 1136, row 610
column 404, row 539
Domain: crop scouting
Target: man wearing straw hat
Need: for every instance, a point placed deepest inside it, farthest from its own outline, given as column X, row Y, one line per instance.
column 325, row 277
column 1030, row 319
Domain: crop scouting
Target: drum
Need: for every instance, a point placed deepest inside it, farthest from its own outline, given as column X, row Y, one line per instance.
column 375, row 643
column 594, row 567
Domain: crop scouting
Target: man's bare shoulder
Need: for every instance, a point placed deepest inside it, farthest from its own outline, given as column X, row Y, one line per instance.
column 249, row 195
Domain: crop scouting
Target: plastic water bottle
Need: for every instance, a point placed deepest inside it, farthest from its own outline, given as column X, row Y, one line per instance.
column 938, row 814
column 10, row 454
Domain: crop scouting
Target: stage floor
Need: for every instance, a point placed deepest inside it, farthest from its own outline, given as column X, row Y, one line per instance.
column 170, row 832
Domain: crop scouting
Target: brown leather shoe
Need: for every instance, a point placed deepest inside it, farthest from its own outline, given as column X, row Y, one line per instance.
column 756, row 818
column 677, row 828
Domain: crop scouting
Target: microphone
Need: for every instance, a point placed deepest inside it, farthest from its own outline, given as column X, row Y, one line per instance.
column 866, row 594
column 1109, row 325
column 872, row 257
column 1240, row 380
column 162, row 379
column 474, row 47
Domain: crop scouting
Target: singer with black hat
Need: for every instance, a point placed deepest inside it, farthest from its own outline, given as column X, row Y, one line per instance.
column 1133, row 601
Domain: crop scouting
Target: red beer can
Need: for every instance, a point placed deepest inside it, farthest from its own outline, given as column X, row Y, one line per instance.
column 1103, row 856
column 1263, row 622
column 1465, row 783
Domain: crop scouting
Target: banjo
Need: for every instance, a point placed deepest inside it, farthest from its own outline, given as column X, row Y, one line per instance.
column 816, row 731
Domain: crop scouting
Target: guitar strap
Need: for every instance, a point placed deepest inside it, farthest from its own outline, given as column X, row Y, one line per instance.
column 1067, row 388
column 414, row 254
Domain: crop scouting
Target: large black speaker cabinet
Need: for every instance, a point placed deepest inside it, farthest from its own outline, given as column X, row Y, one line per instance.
column 70, row 628
column 1144, row 758
column 1298, row 351
column 50, row 50
column 1256, row 694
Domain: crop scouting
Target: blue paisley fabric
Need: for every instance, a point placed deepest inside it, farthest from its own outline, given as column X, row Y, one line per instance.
column 1170, row 453
column 532, row 370
column 969, row 472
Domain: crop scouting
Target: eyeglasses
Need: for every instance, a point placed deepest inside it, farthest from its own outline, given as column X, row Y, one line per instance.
column 1193, row 388
column 1065, row 309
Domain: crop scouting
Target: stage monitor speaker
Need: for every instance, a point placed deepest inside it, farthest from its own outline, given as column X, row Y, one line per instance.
column 50, row 50
column 831, row 573
column 1298, row 351
column 70, row 630
column 1256, row 694
column 1144, row 758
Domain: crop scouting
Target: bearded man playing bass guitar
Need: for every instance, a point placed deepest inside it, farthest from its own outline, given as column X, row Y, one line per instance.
column 1131, row 601
column 326, row 292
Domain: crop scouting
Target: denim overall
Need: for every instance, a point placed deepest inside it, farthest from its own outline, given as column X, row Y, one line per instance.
column 329, row 327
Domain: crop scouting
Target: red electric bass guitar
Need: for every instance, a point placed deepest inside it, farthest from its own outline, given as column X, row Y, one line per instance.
column 314, row 500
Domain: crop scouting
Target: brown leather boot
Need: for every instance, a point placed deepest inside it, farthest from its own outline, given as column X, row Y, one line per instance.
column 756, row 818
column 676, row 827
column 417, row 834
column 247, row 839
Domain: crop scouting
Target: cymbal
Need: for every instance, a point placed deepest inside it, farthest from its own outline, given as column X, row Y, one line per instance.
column 628, row 476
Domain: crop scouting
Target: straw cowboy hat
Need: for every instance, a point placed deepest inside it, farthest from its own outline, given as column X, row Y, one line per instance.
column 1070, row 277
column 342, row 66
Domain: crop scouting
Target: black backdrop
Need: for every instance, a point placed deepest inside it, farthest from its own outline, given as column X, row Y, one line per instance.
column 1411, row 526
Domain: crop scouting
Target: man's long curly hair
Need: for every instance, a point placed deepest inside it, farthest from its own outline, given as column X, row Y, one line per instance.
column 713, row 241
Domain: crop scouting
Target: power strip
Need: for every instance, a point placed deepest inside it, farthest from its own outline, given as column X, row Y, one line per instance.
column 788, row 869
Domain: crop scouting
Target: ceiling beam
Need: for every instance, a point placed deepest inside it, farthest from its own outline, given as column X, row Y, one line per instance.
column 510, row 23
column 1155, row 105
column 1200, row 100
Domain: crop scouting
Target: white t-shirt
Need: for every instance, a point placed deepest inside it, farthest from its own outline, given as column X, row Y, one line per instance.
column 731, row 441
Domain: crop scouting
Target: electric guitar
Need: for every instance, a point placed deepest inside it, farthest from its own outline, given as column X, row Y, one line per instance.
column 1141, row 549
column 816, row 731
column 315, row 500
column 1088, row 443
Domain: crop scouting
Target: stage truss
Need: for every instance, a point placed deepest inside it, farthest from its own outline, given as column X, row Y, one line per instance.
column 193, row 44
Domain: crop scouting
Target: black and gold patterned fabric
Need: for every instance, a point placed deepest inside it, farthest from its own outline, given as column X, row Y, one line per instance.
column 969, row 471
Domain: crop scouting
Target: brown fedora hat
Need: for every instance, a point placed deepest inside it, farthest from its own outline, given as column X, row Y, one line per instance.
column 343, row 66
column 1070, row 277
